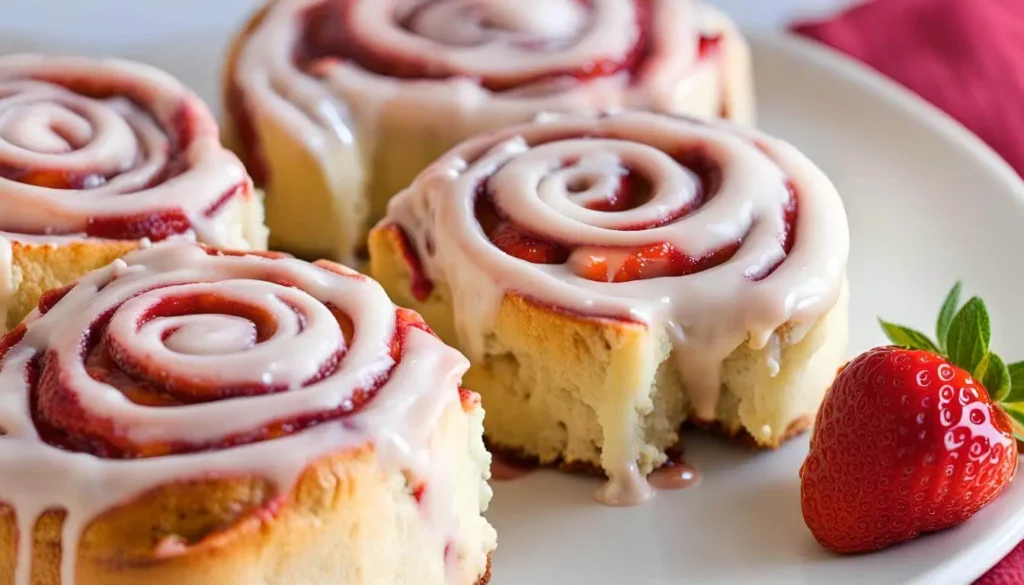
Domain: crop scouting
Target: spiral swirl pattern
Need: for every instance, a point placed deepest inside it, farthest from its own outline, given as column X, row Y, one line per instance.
column 358, row 86
column 180, row 361
column 528, row 56
column 110, row 149
column 718, row 234
column 503, row 45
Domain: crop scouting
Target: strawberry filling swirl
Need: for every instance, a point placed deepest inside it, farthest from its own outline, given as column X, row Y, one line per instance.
column 608, row 207
column 109, row 149
column 528, row 52
column 243, row 329
column 617, row 190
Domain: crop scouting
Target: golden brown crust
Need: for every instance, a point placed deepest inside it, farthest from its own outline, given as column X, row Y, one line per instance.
column 38, row 268
column 239, row 531
column 198, row 517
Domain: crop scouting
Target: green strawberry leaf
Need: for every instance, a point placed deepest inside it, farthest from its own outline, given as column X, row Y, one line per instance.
column 1016, row 371
column 907, row 337
column 964, row 334
column 1016, row 412
column 969, row 334
column 994, row 376
column 949, row 307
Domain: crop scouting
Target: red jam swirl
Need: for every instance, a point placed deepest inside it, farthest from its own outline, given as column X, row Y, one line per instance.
column 143, row 379
column 109, row 149
column 659, row 259
column 328, row 34
column 655, row 260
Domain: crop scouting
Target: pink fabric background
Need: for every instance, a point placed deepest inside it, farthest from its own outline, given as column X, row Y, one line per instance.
column 964, row 56
column 967, row 58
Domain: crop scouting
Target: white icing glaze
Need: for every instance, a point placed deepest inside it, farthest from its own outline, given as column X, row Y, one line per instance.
column 121, row 144
column 487, row 39
column 532, row 178
column 526, row 50
column 397, row 421
column 523, row 41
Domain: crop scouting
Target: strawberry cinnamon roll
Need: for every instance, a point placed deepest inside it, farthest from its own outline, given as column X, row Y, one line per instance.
column 612, row 277
column 185, row 416
column 98, row 155
column 336, row 105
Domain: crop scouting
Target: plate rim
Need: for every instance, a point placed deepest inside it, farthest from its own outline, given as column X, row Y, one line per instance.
column 893, row 92
column 965, row 564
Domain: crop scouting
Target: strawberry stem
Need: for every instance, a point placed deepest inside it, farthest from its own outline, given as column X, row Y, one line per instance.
column 964, row 333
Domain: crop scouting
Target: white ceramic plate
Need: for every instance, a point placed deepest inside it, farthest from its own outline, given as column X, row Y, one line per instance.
column 927, row 203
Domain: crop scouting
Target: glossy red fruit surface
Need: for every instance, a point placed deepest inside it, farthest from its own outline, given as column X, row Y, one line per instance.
column 905, row 443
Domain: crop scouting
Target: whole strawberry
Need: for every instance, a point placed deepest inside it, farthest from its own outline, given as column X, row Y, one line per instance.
column 908, row 440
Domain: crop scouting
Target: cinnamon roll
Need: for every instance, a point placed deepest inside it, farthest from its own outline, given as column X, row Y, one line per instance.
column 98, row 155
column 613, row 276
column 185, row 416
column 336, row 105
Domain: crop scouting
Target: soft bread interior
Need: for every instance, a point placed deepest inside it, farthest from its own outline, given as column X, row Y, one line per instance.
column 568, row 389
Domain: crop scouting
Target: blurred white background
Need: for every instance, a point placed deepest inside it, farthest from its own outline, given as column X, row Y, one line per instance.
column 187, row 37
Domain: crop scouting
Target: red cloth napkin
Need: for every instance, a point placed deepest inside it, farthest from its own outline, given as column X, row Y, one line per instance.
column 967, row 58
column 1009, row 571
column 964, row 56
